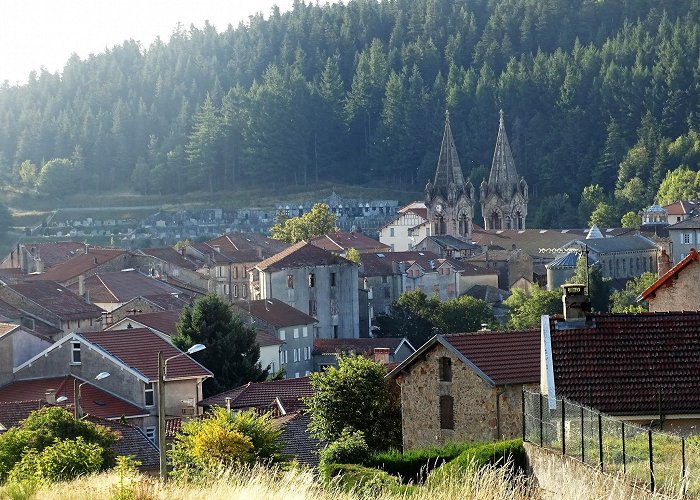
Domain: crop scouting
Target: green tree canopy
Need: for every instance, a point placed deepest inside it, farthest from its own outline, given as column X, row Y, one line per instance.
column 319, row 221
column 355, row 396
column 231, row 351
column 625, row 301
column 680, row 184
column 598, row 287
column 56, row 177
column 631, row 220
column 527, row 307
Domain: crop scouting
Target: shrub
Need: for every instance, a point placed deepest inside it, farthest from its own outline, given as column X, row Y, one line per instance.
column 500, row 453
column 349, row 448
column 62, row 461
column 360, row 480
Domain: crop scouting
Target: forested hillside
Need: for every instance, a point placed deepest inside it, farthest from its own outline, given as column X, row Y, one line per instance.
column 594, row 92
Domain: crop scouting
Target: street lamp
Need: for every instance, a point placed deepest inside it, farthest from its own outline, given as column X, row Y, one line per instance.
column 61, row 399
column 76, row 387
column 162, row 370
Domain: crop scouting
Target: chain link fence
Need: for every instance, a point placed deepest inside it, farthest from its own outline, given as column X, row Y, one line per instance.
column 655, row 460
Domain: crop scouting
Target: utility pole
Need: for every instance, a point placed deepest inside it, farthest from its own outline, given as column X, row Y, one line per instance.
column 161, row 417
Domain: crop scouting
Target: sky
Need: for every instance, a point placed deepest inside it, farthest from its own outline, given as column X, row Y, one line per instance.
column 44, row 33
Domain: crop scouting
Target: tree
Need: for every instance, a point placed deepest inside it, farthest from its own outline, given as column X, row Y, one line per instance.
column 319, row 221
column 527, row 307
column 680, row 184
column 591, row 197
column 625, row 301
column 28, row 172
column 605, row 215
column 353, row 255
column 592, row 277
column 631, row 220
column 355, row 396
column 231, row 354
column 56, row 177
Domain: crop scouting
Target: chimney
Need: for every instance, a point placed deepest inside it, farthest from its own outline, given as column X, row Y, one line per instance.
column 50, row 396
column 381, row 355
column 95, row 260
column 663, row 262
column 81, row 285
column 575, row 302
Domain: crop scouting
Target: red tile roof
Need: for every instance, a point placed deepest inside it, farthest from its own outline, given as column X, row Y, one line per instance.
column 246, row 242
column 92, row 399
column 264, row 339
column 122, row 286
column 303, row 254
column 682, row 207
column 57, row 299
column 57, row 252
column 338, row 242
column 80, row 264
column 262, row 394
column 359, row 346
column 668, row 277
column 163, row 321
column 13, row 412
column 276, row 313
column 169, row 255
column 382, row 264
column 498, row 357
column 621, row 363
column 138, row 348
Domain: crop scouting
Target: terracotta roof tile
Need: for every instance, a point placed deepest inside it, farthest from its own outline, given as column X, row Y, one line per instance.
column 122, row 286
column 57, row 299
column 138, row 348
column 57, row 252
column 693, row 256
column 276, row 313
column 623, row 363
column 261, row 394
column 80, row 264
column 92, row 399
column 248, row 242
column 163, row 321
column 169, row 255
column 13, row 412
column 339, row 242
column 132, row 442
column 264, row 339
column 303, row 254
column 359, row 346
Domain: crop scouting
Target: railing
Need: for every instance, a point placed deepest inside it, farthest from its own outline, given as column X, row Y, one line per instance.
column 657, row 460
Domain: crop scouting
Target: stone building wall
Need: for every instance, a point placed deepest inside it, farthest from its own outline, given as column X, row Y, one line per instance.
column 682, row 295
column 475, row 408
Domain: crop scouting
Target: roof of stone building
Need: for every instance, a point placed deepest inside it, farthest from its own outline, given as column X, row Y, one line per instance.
column 169, row 255
column 359, row 346
column 93, row 400
column 289, row 392
column 29, row 322
column 162, row 321
column 138, row 349
column 13, row 412
column 503, row 178
column 682, row 207
column 264, row 339
column 692, row 222
column 132, row 442
column 623, row 363
column 339, row 242
column 122, row 286
column 497, row 357
column 57, row 252
column 488, row 293
column 670, row 276
column 450, row 242
column 80, row 264
column 303, row 254
column 277, row 313
column 385, row 263
column 11, row 275
column 625, row 243
column 211, row 254
column 298, row 443
column 249, row 241
column 165, row 301
column 57, row 299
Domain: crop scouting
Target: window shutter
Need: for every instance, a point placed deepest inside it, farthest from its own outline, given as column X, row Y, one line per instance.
column 447, row 414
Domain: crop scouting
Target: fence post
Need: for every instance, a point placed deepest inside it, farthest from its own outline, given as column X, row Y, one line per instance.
column 583, row 447
column 624, row 451
column 541, row 423
column 651, row 463
column 683, row 471
column 600, row 439
column 563, row 428
column 522, row 399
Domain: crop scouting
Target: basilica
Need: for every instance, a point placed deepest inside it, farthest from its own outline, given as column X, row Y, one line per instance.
column 450, row 198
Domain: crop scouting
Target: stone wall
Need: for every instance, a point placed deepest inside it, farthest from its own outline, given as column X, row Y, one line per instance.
column 683, row 294
column 477, row 415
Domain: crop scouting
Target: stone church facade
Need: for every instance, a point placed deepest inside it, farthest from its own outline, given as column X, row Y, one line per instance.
column 450, row 199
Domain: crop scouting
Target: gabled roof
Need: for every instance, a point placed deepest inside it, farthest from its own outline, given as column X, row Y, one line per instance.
column 668, row 277
column 689, row 223
column 138, row 348
column 340, row 242
column 360, row 346
column 122, row 286
column 80, row 264
column 622, row 363
column 56, row 252
column 383, row 264
column 682, row 207
column 447, row 241
column 132, row 442
column 264, row 339
column 162, row 321
column 93, row 400
column 289, row 392
column 624, row 243
column 298, row 443
column 169, row 255
column 303, row 254
column 499, row 358
column 13, row 412
column 239, row 242
column 57, row 299
column 277, row 313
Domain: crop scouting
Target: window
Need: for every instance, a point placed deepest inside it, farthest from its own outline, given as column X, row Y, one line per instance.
column 445, row 369
column 75, row 353
column 306, row 373
column 149, row 394
column 387, row 292
column 151, row 434
column 235, row 272
column 244, row 289
column 305, row 356
column 285, row 358
column 687, row 238
column 282, row 335
column 436, row 289
column 312, row 308
column 335, row 331
column 312, row 280
column 296, row 375
column 385, row 279
column 391, row 231
column 235, row 290
column 305, row 332
column 294, row 352
column 290, row 281
column 296, row 333
column 447, row 412
column 332, row 279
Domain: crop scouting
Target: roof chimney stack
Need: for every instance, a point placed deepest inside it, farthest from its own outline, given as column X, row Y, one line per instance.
column 381, row 355
column 50, row 396
column 576, row 303
column 663, row 262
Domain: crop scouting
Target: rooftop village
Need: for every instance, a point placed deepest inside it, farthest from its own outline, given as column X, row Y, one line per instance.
column 71, row 311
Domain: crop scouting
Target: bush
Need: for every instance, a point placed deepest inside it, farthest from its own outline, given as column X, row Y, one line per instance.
column 501, row 453
column 360, row 480
column 62, row 461
column 349, row 448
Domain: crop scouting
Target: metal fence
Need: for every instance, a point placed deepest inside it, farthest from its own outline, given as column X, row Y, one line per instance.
column 656, row 460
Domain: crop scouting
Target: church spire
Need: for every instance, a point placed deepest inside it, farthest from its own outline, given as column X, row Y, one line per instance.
column 503, row 178
column 448, row 169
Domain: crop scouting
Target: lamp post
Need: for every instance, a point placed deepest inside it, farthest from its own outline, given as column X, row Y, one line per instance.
column 76, row 390
column 162, row 371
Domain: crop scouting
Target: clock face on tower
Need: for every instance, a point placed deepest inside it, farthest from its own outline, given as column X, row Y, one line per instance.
column 438, row 207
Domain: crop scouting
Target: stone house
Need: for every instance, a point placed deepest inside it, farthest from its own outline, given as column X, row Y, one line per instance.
column 448, row 246
column 86, row 264
column 466, row 387
column 681, row 210
column 166, row 262
column 293, row 329
column 149, row 304
column 642, row 368
column 53, row 304
column 684, row 237
column 311, row 279
column 511, row 265
column 386, row 350
column 38, row 257
column 678, row 289
column 409, row 226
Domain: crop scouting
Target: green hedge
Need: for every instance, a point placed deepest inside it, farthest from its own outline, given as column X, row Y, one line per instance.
column 498, row 453
column 361, row 480
column 415, row 465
